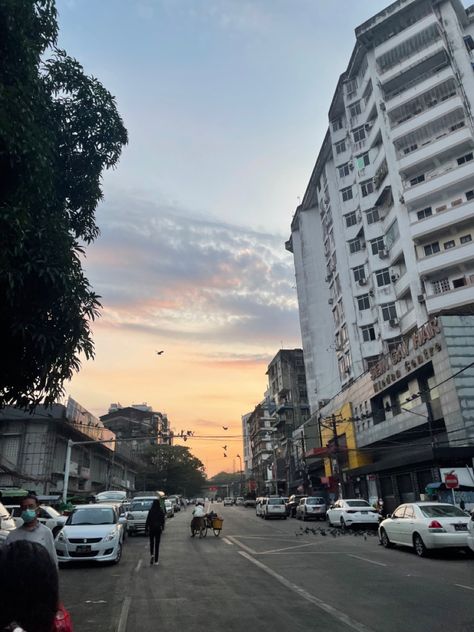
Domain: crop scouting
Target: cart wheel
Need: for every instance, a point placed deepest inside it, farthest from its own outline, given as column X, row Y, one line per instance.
column 216, row 532
column 202, row 532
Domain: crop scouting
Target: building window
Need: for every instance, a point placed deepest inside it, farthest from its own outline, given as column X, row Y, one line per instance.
column 368, row 333
column 355, row 245
column 377, row 245
column 367, row 188
column 465, row 239
column 340, row 147
column 363, row 161
column 358, row 134
column 417, row 180
column 449, row 244
column 351, row 219
column 355, row 109
column 351, row 87
column 466, row 158
column 470, row 195
column 337, row 125
column 373, row 216
column 425, row 212
column 440, row 286
column 410, row 148
column 461, row 282
column 431, row 249
column 389, row 311
column 344, row 170
column 383, row 277
column 346, row 194
column 359, row 273
column 363, row 302
column 392, row 235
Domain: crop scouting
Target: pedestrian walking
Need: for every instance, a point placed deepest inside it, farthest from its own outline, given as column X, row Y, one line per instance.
column 32, row 529
column 155, row 523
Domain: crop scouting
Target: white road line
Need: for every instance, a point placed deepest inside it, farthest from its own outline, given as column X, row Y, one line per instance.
column 289, row 548
column 365, row 559
column 122, row 624
column 466, row 587
column 334, row 612
column 242, row 546
column 137, row 567
column 228, row 541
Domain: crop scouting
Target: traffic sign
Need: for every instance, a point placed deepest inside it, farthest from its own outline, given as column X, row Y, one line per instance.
column 451, row 481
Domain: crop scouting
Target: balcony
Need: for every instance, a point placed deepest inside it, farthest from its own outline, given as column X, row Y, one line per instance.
column 420, row 120
column 430, row 73
column 393, row 424
column 413, row 61
column 371, row 348
column 443, row 220
column 455, row 299
column 402, row 285
column 438, row 182
column 406, row 34
column 446, row 259
column 408, row 320
column 443, row 146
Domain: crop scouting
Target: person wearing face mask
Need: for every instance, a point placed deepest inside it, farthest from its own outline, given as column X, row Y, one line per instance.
column 32, row 530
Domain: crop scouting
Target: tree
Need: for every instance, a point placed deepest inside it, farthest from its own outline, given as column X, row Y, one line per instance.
column 59, row 129
column 172, row 469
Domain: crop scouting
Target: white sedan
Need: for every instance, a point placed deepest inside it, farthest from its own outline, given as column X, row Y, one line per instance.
column 470, row 527
column 352, row 511
column 46, row 515
column 91, row 533
column 425, row 526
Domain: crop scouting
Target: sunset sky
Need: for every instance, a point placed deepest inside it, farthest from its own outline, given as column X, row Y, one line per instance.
column 225, row 102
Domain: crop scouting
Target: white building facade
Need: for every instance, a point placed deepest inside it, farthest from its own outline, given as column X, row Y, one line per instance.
column 384, row 237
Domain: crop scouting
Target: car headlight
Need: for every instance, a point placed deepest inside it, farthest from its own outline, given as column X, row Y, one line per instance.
column 110, row 536
column 61, row 537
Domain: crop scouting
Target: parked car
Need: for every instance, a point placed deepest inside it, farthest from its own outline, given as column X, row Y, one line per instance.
column 46, row 515
column 425, row 526
column 169, row 510
column 311, row 507
column 293, row 502
column 138, row 513
column 7, row 523
column 259, row 503
column 228, row 501
column 111, row 496
column 250, row 502
column 470, row 528
column 92, row 533
column 239, row 501
column 176, row 503
column 274, row 507
column 352, row 511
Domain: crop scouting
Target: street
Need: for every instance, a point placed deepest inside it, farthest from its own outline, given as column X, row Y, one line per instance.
column 261, row 575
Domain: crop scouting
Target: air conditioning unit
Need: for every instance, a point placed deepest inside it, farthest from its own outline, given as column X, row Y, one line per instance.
column 394, row 277
column 359, row 216
column 383, row 254
column 401, row 199
column 382, row 106
column 351, row 166
column 393, row 322
column 362, row 281
column 330, row 301
column 328, row 278
column 421, row 298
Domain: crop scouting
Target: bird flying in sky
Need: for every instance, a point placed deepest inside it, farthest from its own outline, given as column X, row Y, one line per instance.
column 225, row 427
column 224, row 447
column 225, row 454
column 160, row 352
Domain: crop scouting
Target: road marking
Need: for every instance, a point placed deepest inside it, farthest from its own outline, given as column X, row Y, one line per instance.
column 337, row 614
column 242, row 546
column 137, row 567
column 122, row 624
column 289, row 548
column 466, row 587
column 365, row 559
column 228, row 541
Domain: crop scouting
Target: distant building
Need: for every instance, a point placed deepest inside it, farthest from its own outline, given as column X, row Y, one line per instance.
column 136, row 423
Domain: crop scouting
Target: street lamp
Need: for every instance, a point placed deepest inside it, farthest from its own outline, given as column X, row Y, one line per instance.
column 241, row 474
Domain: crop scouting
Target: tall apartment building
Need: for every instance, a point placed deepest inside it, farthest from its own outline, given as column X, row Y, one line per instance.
column 137, row 422
column 388, row 214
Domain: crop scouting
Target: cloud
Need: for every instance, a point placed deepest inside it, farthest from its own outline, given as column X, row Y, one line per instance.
column 175, row 274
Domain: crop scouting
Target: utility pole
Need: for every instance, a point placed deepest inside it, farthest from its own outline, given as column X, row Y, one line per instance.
column 336, row 448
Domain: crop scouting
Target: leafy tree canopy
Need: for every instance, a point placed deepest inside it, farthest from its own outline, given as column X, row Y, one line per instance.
column 59, row 129
column 172, row 469
column 224, row 478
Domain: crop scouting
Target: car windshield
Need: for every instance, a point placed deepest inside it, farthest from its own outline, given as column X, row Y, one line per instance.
column 442, row 511
column 357, row 503
column 142, row 505
column 92, row 515
column 315, row 501
column 276, row 501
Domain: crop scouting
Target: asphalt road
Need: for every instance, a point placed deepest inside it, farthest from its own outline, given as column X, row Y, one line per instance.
column 260, row 575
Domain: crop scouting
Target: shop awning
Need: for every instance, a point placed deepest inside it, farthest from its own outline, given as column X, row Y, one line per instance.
column 13, row 492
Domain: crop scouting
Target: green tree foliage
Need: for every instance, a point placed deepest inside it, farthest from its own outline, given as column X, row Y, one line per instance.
column 172, row 469
column 59, row 129
column 224, row 478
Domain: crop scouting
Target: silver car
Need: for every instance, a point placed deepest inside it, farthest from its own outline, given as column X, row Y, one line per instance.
column 311, row 507
column 91, row 533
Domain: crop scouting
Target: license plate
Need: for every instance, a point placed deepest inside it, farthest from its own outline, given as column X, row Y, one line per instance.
column 460, row 527
column 364, row 512
column 83, row 548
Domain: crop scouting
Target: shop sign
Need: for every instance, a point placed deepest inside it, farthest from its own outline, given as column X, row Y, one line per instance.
column 411, row 353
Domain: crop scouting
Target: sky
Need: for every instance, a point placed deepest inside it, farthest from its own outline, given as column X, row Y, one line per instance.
column 225, row 102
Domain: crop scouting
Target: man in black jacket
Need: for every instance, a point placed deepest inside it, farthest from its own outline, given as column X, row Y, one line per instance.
column 155, row 523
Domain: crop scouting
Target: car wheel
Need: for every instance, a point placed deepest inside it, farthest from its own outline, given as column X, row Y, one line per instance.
column 385, row 540
column 420, row 548
column 119, row 554
column 343, row 523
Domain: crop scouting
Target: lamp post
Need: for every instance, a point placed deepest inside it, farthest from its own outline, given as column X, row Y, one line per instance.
column 241, row 474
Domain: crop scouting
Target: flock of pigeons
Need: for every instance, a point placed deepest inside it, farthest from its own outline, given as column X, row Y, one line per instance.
column 335, row 532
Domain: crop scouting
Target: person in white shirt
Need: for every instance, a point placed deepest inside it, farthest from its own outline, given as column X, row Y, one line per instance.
column 198, row 517
column 32, row 530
